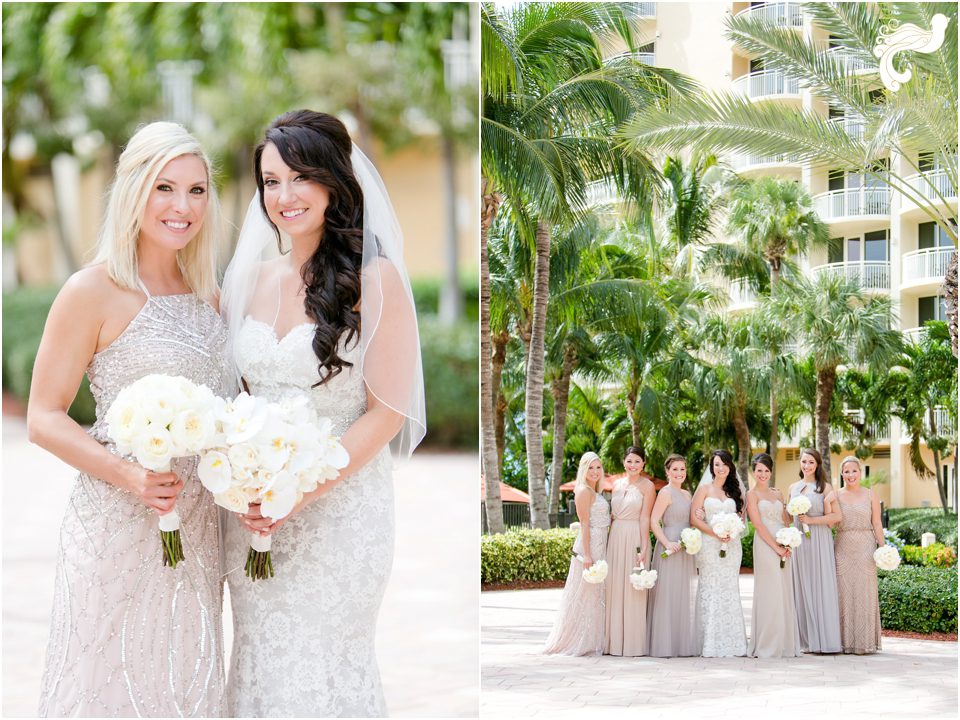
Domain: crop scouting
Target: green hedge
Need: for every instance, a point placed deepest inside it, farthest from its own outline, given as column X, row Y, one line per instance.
column 936, row 555
column 526, row 555
column 746, row 542
column 450, row 376
column 918, row 599
column 911, row 523
column 426, row 295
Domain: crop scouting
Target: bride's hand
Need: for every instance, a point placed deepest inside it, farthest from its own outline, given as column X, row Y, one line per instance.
column 254, row 521
column 700, row 514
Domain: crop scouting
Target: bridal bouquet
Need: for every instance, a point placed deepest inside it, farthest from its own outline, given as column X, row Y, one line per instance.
column 156, row 419
column 596, row 573
column 640, row 578
column 690, row 540
column 788, row 537
column 800, row 505
column 269, row 453
column 727, row 526
column 887, row 557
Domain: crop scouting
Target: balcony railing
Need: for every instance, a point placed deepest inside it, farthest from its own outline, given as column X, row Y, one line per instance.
column 874, row 275
column 933, row 184
column 647, row 58
column 914, row 336
column 839, row 204
column 838, row 435
column 741, row 162
column 641, row 9
column 851, row 63
column 766, row 83
column 928, row 264
column 778, row 14
column 852, row 124
column 942, row 418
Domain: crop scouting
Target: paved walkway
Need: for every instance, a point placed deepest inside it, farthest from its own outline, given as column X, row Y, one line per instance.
column 909, row 679
column 428, row 631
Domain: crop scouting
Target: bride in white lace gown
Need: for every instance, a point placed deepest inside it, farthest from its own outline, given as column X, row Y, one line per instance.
column 720, row 622
column 304, row 642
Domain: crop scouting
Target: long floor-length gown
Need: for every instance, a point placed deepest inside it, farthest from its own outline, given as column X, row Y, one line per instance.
column 857, row 579
column 626, row 623
column 578, row 629
column 671, row 606
column 304, row 639
column 130, row 637
column 815, row 581
column 773, row 625
column 720, row 625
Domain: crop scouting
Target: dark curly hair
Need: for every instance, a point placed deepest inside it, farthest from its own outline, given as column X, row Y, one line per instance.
column 318, row 146
column 732, row 485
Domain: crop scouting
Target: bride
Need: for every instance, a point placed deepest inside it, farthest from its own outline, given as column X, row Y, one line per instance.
column 719, row 612
column 332, row 319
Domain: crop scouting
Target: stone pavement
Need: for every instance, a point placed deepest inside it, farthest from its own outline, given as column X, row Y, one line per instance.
column 428, row 631
column 908, row 679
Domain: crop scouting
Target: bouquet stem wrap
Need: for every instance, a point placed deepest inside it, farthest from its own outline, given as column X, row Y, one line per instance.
column 170, row 538
column 259, row 565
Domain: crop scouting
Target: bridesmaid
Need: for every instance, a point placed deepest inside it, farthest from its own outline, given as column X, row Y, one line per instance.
column 773, row 623
column 859, row 534
column 633, row 498
column 578, row 629
column 670, row 606
column 814, row 567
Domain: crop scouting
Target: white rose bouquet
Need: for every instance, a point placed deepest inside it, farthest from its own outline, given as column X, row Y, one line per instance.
column 269, row 453
column 642, row 579
column 596, row 573
column 690, row 540
column 727, row 526
column 788, row 537
column 887, row 557
column 156, row 419
column 800, row 505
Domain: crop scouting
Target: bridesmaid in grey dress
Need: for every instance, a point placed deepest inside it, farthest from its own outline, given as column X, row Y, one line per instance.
column 773, row 623
column 129, row 636
column 578, row 629
column 671, row 608
column 814, row 567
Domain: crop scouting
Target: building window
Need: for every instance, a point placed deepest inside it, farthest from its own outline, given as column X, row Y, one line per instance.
column 875, row 246
column 930, row 235
column 933, row 307
column 835, row 250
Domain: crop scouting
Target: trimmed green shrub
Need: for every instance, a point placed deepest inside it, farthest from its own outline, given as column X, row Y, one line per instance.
column 746, row 542
column 450, row 376
column 911, row 523
column 526, row 555
column 426, row 295
column 935, row 555
column 918, row 599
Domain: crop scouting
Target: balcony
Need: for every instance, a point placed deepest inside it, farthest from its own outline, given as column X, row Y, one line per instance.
column 852, row 124
column 749, row 163
column 647, row 58
column 851, row 64
column 741, row 295
column 778, row 14
column 879, row 432
column 923, row 267
column 933, row 185
column 853, row 204
column 914, row 336
column 640, row 10
column 767, row 84
column 941, row 416
column 873, row 275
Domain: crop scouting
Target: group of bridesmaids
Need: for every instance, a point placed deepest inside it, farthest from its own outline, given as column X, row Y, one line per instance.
column 824, row 599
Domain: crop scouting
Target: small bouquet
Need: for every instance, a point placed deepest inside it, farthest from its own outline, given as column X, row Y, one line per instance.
column 800, row 505
column 156, row 419
column 788, row 537
column 269, row 453
column 640, row 578
column 887, row 557
column 596, row 573
column 727, row 526
column 690, row 540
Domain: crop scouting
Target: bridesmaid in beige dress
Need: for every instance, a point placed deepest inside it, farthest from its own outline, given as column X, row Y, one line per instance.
column 859, row 534
column 773, row 624
column 578, row 629
column 130, row 637
column 633, row 498
column 671, row 604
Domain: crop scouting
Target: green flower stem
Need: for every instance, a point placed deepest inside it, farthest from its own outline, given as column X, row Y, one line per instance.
column 172, row 547
column 259, row 565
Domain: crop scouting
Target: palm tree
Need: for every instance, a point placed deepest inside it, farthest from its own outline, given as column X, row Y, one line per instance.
column 835, row 322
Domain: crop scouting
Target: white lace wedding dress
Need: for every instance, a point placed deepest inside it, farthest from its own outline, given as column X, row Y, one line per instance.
column 719, row 612
column 304, row 639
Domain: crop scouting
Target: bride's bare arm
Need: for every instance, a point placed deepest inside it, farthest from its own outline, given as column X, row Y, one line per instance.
column 69, row 341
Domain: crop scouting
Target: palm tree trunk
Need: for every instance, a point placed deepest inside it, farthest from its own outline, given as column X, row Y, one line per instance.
column 500, row 341
column 949, row 291
column 493, row 507
column 826, row 382
column 941, row 480
column 561, row 396
column 631, row 403
column 774, row 428
column 743, row 444
column 533, row 402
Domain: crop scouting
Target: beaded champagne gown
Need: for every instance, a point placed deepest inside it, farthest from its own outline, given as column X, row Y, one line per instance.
column 773, row 619
column 130, row 637
column 722, row 631
column 304, row 639
column 857, row 579
column 578, row 629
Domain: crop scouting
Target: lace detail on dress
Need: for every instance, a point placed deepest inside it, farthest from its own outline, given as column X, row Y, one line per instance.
column 719, row 612
column 304, row 639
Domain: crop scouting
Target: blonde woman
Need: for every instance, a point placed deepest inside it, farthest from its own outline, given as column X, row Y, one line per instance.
column 578, row 629
column 859, row 534
column 130, row 636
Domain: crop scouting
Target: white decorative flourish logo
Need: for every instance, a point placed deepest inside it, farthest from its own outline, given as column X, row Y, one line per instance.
column 896, row 38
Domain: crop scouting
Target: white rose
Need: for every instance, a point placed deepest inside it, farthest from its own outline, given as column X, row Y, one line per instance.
column 243, row 456
column 153, row 449
column 124, row 423
column 191, row 430
column 233, row 499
